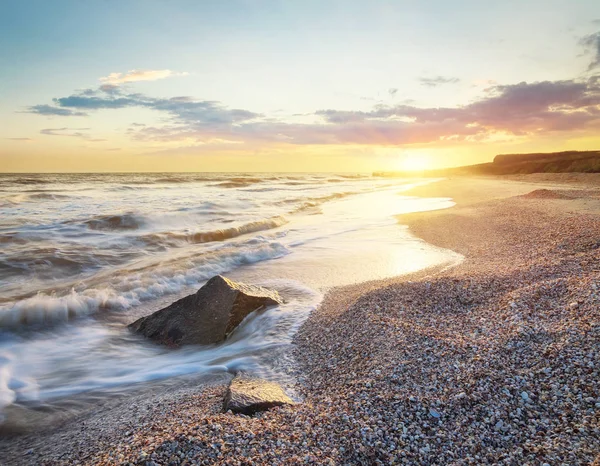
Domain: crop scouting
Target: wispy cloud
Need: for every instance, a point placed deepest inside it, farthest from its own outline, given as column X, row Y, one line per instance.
column 111, row 89
column 484, row 83
column 592, row 44
column 19, row 139
column 54, row 111
column 139, row 75
column 183, row 108
column 437, row 81
column 80, row 133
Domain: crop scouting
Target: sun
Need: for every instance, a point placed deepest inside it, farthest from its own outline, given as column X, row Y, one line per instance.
column 414, row 163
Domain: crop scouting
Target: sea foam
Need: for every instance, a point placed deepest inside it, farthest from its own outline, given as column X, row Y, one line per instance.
column 135, row 287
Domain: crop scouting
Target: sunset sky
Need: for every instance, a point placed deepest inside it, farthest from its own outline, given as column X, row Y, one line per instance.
column 182, row 85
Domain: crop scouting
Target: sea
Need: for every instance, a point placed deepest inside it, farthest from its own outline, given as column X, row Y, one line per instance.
column 83, row 255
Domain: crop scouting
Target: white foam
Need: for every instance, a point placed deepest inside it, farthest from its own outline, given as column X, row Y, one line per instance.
column 133, row 289
column 7, row 395
column 100, row 357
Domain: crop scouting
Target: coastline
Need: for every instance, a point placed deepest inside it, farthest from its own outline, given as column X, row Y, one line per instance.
column 413, row 368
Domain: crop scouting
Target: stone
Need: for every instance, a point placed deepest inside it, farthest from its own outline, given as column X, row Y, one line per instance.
column 434, row 413
column 206, row 317
column 248, row 395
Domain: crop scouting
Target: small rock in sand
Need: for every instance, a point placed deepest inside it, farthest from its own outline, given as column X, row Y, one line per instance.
column 248, row 395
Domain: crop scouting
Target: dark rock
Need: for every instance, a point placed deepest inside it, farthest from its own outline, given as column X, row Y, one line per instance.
column 247, row 395
column 206, row 317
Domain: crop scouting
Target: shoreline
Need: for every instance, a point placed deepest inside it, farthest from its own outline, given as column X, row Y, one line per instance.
column 383, row 365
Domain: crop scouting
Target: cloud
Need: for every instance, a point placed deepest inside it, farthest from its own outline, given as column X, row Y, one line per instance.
column 483, row 83
column 19, row 139
column 510, row 111
column 592, row 43
column 111, row 89
column 138, row 75
column 392, row 91
column 53, row 111
column 70, row 132
column 199, row 112
column 437, row 81
column 522, row 109
column 518, row 109
column 58, row 131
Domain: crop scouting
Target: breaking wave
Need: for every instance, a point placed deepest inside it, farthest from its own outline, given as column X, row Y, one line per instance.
column 238, row 182
column 313, row 202
column 134, row 287
column 127, row 221
column 174, row 238
column 20, row 198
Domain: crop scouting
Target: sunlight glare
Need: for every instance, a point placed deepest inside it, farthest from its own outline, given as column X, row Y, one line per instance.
column 414, row 163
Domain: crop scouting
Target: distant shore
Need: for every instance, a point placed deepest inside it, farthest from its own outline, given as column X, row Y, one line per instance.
column 493, row 361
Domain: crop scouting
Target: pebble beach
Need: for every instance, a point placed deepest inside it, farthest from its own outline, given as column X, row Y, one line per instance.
column 492, row 361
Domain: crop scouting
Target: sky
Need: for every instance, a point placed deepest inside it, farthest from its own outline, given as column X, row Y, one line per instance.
column 358, row 86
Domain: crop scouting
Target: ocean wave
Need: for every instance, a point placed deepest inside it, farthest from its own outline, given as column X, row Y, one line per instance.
column 12, row 238
column 128, row 221
column 312, row 207
column 188, row 179
column 45, row 262
column 232, row 184
column 26, row 181
column 313, row 202
column 173, row 238
column 173, row 180
column 47, row 309
column 353, row 177
column 298, row 183
column 48, row 266
column 199, row 178
column 238, row 182
column 127, row 187
column 20, row 198
column 133, row 288
column 15, row 199
column 261, row 190
column 47, row 196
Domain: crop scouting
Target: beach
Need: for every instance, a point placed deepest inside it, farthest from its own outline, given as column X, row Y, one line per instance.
column 488, row 360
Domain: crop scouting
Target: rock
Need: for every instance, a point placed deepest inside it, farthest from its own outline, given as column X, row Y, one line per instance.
column 247, row 395
column 206, row 317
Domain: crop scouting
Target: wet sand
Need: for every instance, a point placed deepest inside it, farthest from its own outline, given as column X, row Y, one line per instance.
column 492, row 361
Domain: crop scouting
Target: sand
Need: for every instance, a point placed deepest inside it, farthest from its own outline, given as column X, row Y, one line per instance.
column 492, row 361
